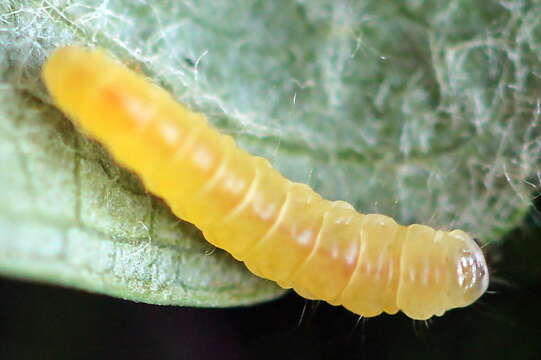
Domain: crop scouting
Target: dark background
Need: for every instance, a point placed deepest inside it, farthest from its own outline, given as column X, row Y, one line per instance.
column 46, row 322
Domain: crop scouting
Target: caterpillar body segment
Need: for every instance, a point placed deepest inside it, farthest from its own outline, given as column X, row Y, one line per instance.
column 282, row 230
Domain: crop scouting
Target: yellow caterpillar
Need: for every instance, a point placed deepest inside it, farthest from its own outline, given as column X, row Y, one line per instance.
column 282, row 230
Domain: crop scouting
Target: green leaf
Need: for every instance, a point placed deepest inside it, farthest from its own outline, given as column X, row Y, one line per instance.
column 427, row 112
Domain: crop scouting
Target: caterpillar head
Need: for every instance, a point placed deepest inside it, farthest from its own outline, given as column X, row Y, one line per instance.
column 439, row 271
column 471, row 270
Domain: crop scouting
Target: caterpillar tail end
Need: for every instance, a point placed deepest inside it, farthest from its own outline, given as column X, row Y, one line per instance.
column 63, row 75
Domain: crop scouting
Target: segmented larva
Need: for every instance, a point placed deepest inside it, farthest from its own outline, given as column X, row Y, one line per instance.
column 282, row 230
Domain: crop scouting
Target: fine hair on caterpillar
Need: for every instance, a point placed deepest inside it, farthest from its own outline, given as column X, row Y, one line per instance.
column 281, row 230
